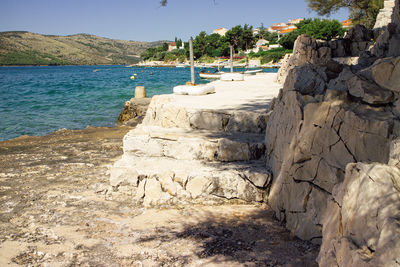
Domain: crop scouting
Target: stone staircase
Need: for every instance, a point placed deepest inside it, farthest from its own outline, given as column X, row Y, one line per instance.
column 388, row 14
column 190, row 154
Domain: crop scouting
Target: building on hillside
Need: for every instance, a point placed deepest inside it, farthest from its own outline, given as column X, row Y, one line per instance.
column 287, row 30
column 348, row 23
column 295, row 21
column 220, row 31
column 281, row 24
column 274, row 46
column 262, row 42
column 276, row 29
column 256, row 31
column 172, row 46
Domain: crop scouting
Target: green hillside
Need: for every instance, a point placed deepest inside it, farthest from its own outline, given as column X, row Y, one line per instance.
column 26, row 48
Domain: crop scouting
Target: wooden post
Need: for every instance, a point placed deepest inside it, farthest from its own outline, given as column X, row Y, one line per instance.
column 231, row 46
column 191, row 61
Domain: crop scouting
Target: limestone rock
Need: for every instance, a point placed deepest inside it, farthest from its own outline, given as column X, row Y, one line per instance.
column 364, row 231
column 306, row 51
column 152, row 192
column 396, row 108
column 197, row 186
column 258, row 178
column 365, row 133
column 340, row 48
column 359, row 33
column 368, row 91
column 388, row 42
column 123, row 176
column 307, row 80
column 229, row 150
column 134, row 110
column 339, row 84
column 167, row 183
column 386, row 73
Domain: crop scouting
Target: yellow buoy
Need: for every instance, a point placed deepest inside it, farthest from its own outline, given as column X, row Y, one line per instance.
column 132, row 77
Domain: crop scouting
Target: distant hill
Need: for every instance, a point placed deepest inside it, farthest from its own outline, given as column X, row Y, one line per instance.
column 26, row 48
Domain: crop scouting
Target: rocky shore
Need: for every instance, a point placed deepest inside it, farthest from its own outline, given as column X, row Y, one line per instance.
column 57, row 208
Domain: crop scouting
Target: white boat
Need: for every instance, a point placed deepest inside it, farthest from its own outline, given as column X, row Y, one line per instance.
column 215, row 75
column 202, row 89
column 180, row 66
column 252, row 71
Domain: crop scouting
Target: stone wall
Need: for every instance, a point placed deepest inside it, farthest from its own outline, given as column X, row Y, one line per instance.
column 333, row 142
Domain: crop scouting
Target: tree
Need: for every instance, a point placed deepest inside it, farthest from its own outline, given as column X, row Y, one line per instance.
column 321, row 29
column 364, row 11
column 247, row 37
column 200, row 44
column 234, row 36
column 287, row 40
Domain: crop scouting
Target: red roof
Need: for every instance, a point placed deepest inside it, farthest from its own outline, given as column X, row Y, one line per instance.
column 347, row 22
column 288, row 30
column 278, row 28
column 172, row 44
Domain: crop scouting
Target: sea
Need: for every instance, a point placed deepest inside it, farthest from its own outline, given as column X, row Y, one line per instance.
column 38, row 100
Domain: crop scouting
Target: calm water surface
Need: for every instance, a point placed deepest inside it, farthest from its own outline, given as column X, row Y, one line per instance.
column 40, row 100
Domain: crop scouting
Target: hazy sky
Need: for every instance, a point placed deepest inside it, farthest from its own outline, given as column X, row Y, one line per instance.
column 145, row 20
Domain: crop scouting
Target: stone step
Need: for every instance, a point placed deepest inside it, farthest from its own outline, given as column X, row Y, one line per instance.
column 154, row 180
column 164, row 112
column 178, row 143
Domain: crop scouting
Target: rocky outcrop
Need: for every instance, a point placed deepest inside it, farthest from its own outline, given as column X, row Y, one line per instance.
column 332, row 146
column 134, row 111
column 361, row 223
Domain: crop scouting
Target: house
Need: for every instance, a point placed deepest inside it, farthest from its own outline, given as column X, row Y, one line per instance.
column 262, row 42
column 256, row 31
column 220, row 31
column 287, row 30
column 348, row 23
column 295, row 21
column 276, row 29
column 274, row 46
column 172, row 46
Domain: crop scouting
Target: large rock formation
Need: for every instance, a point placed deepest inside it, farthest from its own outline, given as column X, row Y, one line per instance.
column 332, row 143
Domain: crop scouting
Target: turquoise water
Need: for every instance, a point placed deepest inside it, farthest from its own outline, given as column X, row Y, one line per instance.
column 40, row 100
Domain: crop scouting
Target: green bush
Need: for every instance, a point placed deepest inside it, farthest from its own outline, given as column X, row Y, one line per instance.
column 206, row 59
column 321, row 29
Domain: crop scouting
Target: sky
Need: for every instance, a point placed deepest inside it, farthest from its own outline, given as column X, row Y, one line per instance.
column 146, row 20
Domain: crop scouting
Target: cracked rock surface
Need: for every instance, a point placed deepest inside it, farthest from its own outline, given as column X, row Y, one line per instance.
column 332, row 145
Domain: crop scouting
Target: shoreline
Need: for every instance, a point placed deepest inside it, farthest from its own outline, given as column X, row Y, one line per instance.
column 58, row 208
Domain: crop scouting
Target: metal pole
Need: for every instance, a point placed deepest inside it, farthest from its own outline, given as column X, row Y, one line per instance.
column 231, row 58
column 191, row 61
